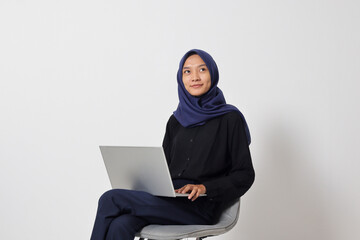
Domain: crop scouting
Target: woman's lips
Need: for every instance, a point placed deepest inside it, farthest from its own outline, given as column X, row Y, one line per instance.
column 196, row 85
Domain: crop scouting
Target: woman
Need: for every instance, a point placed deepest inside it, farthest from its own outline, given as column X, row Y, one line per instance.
column 206, row 147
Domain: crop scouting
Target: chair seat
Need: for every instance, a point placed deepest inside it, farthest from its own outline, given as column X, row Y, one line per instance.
column 227, row 221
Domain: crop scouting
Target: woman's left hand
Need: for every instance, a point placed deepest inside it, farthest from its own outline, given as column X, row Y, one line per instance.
column 194, row 189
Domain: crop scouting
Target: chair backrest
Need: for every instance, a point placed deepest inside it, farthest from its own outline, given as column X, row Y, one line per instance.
column 227, row 221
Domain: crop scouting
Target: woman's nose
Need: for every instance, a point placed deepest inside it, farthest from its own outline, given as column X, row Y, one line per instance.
column 195, row 77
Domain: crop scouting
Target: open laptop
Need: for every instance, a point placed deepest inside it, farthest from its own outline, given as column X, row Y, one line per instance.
column 139, row 168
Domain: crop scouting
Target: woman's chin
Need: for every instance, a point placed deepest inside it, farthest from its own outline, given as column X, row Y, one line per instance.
column 197, row 92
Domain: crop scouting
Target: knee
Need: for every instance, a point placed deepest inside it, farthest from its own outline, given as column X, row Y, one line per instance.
column 110, row 195
column 106, row 196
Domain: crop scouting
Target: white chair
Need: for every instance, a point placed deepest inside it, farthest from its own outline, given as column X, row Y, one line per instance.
column 227, row 221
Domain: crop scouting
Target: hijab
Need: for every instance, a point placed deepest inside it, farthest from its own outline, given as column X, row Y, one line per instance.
column 196, row 111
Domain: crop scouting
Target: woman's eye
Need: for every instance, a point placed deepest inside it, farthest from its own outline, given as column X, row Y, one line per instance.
column 202, row 69
column 186, row 71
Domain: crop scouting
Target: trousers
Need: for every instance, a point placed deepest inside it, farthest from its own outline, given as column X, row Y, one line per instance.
column 122, row 213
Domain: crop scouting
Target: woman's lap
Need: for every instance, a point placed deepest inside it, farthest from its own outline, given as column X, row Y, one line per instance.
column 122, row 213
column 159, row 210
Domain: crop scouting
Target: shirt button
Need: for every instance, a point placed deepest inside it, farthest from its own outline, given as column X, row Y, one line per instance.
column 191, row 140
column 188, row 159
column 179, row 174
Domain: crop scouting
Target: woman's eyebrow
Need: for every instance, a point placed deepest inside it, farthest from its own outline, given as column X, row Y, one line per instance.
column 201, row 65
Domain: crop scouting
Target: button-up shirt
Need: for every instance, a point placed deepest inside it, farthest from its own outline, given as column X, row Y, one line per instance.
column 215, row 154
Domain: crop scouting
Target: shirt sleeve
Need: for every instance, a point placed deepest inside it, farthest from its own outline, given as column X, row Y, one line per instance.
column 167, row 141
column 241, row 174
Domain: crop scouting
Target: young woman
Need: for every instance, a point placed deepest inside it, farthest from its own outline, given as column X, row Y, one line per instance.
column 207, row 149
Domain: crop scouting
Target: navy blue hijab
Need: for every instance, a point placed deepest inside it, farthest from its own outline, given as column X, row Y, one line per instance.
column 195, row 111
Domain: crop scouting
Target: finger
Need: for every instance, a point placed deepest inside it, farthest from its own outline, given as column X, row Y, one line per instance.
column 193, row 192
column 180, row 189
column 197, row 195
column 187, row 188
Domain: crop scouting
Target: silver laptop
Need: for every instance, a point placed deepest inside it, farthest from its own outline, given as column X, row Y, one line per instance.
column 139, row 168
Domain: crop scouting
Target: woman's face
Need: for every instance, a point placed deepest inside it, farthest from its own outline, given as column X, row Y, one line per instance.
column 196, row 76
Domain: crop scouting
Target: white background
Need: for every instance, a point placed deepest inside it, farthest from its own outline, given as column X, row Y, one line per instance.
column 78, row 74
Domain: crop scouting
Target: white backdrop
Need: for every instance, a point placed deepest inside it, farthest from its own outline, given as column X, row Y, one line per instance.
column 76, row 74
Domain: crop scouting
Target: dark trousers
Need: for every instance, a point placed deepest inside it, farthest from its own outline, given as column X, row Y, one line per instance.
column 122, row 213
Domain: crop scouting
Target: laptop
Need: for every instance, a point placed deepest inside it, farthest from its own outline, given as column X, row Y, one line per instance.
column 139, row 168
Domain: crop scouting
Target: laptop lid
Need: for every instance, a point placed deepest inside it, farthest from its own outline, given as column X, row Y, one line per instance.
column 138, row 168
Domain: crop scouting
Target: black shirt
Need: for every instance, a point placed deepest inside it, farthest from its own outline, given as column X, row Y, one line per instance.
column 215, row 154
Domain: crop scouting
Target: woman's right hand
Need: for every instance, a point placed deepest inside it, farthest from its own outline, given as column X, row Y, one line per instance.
column 194, row 189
